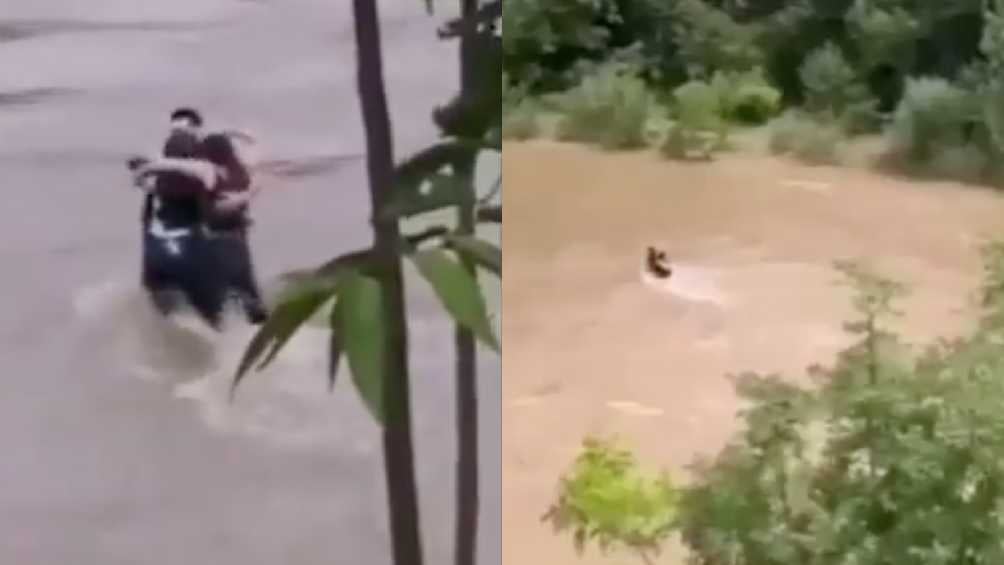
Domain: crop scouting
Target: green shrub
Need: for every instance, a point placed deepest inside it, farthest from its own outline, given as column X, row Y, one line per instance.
column 700, row 128
column 934, row 115
column 966, row 163
column 607, row 500
column 893, row 458
column 829, row 80
column 521, row 123
column 519, row 112
column 861, row 118
column 806, row 138
column 746, row 97
column 698, row 105
column 609, row 108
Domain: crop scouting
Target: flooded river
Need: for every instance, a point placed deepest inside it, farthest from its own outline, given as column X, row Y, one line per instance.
column 595, row 347
column 119, row 445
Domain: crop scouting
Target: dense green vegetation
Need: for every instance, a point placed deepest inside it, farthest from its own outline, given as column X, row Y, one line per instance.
column 893, row 456
column 924, row 73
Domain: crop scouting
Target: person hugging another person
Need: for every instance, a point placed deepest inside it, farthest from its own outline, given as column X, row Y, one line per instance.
column 210, row 188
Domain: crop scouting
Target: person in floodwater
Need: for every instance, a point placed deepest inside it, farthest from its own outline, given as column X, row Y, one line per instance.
column 177, row 253
column 229, row 221
column 225, row 179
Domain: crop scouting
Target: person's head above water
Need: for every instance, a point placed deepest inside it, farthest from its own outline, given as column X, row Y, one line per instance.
column 219, row 150
column 186, row 118
column 183, row 144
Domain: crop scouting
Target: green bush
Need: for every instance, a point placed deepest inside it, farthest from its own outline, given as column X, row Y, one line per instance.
column 521, row 123
column 966, row 163
column 829, row 80
column 861, row 118
column 806, row 138
column 892, row 458
column 609, row 108
column 519, row 112
column 700, row 128
column 933, row 116
column 607, row 500
column 746, row 97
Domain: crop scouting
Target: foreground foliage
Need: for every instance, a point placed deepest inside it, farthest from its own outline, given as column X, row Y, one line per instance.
column 607, row 501
column 364, row 290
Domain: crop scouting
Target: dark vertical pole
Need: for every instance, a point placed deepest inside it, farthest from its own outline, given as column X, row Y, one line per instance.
column 468, row 496
column 399, row 456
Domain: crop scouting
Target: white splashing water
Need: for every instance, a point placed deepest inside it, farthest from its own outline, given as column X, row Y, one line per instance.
column 287, row 404
column 689, row 283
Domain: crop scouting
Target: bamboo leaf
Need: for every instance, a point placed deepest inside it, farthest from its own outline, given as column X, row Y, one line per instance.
column 335, row 350
column 362, row 260
column 297, row 306
column 442, row 191
column 458, row 291
column 486, row 255
column 359, row 319
column 429, row 169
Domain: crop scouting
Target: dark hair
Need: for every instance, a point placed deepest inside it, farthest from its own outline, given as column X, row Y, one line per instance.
column 182, row 145
column 218, row 149
column 186, row 113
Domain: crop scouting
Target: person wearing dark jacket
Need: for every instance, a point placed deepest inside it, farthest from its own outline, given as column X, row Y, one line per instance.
column 224, row 178
column 178, row 256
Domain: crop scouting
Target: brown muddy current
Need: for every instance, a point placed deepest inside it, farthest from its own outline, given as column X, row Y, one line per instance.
column 595, row 348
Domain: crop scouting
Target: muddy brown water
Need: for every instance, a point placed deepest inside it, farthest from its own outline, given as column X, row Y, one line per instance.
column 593, row 349
column 119, row 444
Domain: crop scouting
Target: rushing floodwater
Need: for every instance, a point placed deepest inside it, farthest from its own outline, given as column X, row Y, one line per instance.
column 119, row 445
column 752, row 240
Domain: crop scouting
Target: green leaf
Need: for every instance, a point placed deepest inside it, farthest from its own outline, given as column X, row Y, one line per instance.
column 486, row 255
column 335, row 350
column 442, row 191
column 427, row 168
column 359, row 319
column 459, row 293
column 293, row 311
column 362, row 260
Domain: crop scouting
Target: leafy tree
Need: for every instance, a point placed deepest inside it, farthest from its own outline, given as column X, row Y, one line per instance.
column 541, row 40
